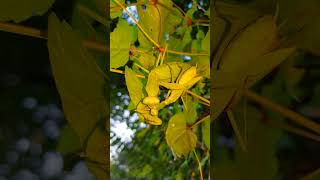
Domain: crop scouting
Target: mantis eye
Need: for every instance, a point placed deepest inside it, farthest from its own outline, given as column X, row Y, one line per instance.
column 151, row 100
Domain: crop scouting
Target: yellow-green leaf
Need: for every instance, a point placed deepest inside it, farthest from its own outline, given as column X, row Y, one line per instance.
column 134, row 85
column 97, row 147
column 120, row 42
column 82, row 94
column 206, row 131
column 19, row 10
column 180, row 138
column 256, row 40
column 69, row 141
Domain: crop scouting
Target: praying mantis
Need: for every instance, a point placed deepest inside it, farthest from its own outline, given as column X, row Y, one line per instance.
column 177, row 77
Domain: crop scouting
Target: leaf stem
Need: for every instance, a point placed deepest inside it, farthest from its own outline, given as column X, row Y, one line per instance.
column 144, row 69
column 291, row 115
column 92, row 14
column 36, row 33
column 197, row 96
column 199, row 122
column 236, row 130
column 297, row 131
column 187, row 53
column 199, row 164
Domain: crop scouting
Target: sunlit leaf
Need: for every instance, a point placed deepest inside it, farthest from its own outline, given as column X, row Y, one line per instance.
column 120, row 42
column 134, row 86
column 115, row 10
column 179, row 137
column 206, row 131
column 19, row 10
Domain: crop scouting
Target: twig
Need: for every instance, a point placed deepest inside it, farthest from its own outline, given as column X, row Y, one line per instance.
column 122, row 72
column 295, row 117
column 36, row 33
column 200, row 121
column 199, row 97
column 297, row 131
column 93, row 15
column 199, row 164
column 235, row 127
column 153, row 41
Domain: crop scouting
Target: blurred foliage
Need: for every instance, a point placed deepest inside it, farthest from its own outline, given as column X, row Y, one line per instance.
column 84, row 101
column 274, row 151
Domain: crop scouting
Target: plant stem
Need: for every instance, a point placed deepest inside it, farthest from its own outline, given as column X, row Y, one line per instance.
column 199, row 164
column 297, row 131
column 93, row 15
column 144, row 69
column 236, row 129
column 36, row 33
column 199, row 97
column 122, row 72
column 198, row 122
column 187, row 53
column 295, row 117
column 153, row 41
column 137, row 23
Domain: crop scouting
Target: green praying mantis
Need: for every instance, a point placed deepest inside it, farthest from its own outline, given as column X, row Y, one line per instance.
column 177, row 77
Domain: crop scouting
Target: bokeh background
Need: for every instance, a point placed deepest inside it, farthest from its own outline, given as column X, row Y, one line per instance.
column 31, row 114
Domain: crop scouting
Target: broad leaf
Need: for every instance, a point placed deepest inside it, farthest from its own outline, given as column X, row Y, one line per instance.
column 120, row 42
column 206, row 131
column 134, row 85
column 69, row 141
column 82, row 94
column 115, row 10
column 179, row 137
column 20, row 10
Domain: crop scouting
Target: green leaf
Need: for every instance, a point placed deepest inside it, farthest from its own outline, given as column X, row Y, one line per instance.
column 20, row 10
column 266, row 64
column 69, row 141
column 134, row 85
column 206, row 131
column 179, row 137
column 206, row 43
column 146, row 60
column 120, row 42
column 97, row 146
column 231, row 20
column 256, row 40
column 155, row 20
column 82, row 94
column 190, row 109
column 299, row 21
column 186, row 38
column 115, row 10
column 99, row 172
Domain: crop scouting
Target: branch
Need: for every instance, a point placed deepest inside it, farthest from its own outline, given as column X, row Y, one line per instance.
column 37, row 33
column 293, row 116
